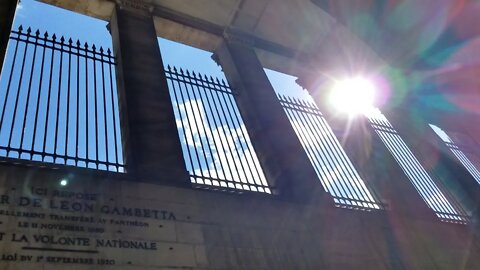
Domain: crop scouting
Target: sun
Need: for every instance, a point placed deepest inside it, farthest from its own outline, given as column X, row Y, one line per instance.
column 353, row 96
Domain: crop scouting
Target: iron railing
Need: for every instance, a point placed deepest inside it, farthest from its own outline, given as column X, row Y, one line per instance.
column 439, row 199
column 217, row 149
column 334, row 169
column 460, row 152
column 58, row 102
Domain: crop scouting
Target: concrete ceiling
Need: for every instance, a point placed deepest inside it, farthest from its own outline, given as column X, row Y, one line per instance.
column 418, row 45
column 282, row 30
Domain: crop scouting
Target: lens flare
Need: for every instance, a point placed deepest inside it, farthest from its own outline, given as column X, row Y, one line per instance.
column 353, row 96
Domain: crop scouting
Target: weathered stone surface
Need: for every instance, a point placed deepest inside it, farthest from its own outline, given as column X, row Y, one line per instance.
column 193, row 235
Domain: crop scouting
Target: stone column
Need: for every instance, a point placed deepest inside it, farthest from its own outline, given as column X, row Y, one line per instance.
column 153, row 151
column 280, row 152
column 7, row 13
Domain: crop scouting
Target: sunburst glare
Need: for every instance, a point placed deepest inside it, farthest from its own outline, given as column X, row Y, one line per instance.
column 353, row 95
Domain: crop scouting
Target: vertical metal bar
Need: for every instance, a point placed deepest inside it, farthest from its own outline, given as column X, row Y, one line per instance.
column 229, row 121
column 69, row 78
column 39, row 91
column 7, row 93
column 87, row 157
column 104, row 109
column 215, row 115
column 77, row 124
column 55, row 136
column 327, row 167
column 414, row 177
column 179, row 77
column 19, row 89
column 170, row 74
column 95, row 92
column 53, row 41
column 188, row 85
column 200, row 89
column 317, row 162
column 186, row 99
column 114, row 115
column 411, row 172
column 251, row 161
column 353, row 178
column 37, row 33
column 229, row 110
column 325, row 151
column 420, row 176
column 425, row 179
column 211, row 82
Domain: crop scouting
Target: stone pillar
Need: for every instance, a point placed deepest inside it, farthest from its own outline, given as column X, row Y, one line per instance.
column 153, row 151
column 280, row 152
column 7, row 13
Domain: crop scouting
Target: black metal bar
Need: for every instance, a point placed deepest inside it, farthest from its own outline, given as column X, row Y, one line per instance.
column 48, row 99
column 234, row 118
column 16, row 124
column 232, row 127
column 111, row 59
column 19, row 89
column 183, row 100
column 327, row 156
column 214, row 116
column 7, row 93
column 57, row 119
column 77, row 123
column 340, row 156
column 37, row 33
column 251, row 160
column 193, row 102
column 332, row 156
column 173, row 89
column 104, row 109
column 114, row 114
column 37, row 103
column 416, row 171
column 219, row 149
column 69, row 80
column 327, row 166
column 33, row 152
column 95, row 105
column 222, row 118
column 217, row 122
column 428, row 189
column 426, row 181
column 326, row 159
column 209, row 127
column 86, row 105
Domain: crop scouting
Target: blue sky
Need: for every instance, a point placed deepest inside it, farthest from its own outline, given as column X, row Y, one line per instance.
column 87, row 29
column 65, row 23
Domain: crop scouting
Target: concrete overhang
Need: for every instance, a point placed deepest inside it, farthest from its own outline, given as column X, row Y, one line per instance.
column 295, row 36
column 319, row 39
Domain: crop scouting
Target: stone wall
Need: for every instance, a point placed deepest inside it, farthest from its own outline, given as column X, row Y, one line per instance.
column 111, row 222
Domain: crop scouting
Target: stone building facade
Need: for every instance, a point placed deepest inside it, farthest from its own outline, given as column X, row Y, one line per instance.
column 151, row 218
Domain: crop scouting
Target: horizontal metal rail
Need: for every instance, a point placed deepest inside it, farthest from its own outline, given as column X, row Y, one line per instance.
column 58, row 103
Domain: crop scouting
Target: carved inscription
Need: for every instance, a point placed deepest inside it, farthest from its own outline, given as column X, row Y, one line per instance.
column 67, row 227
